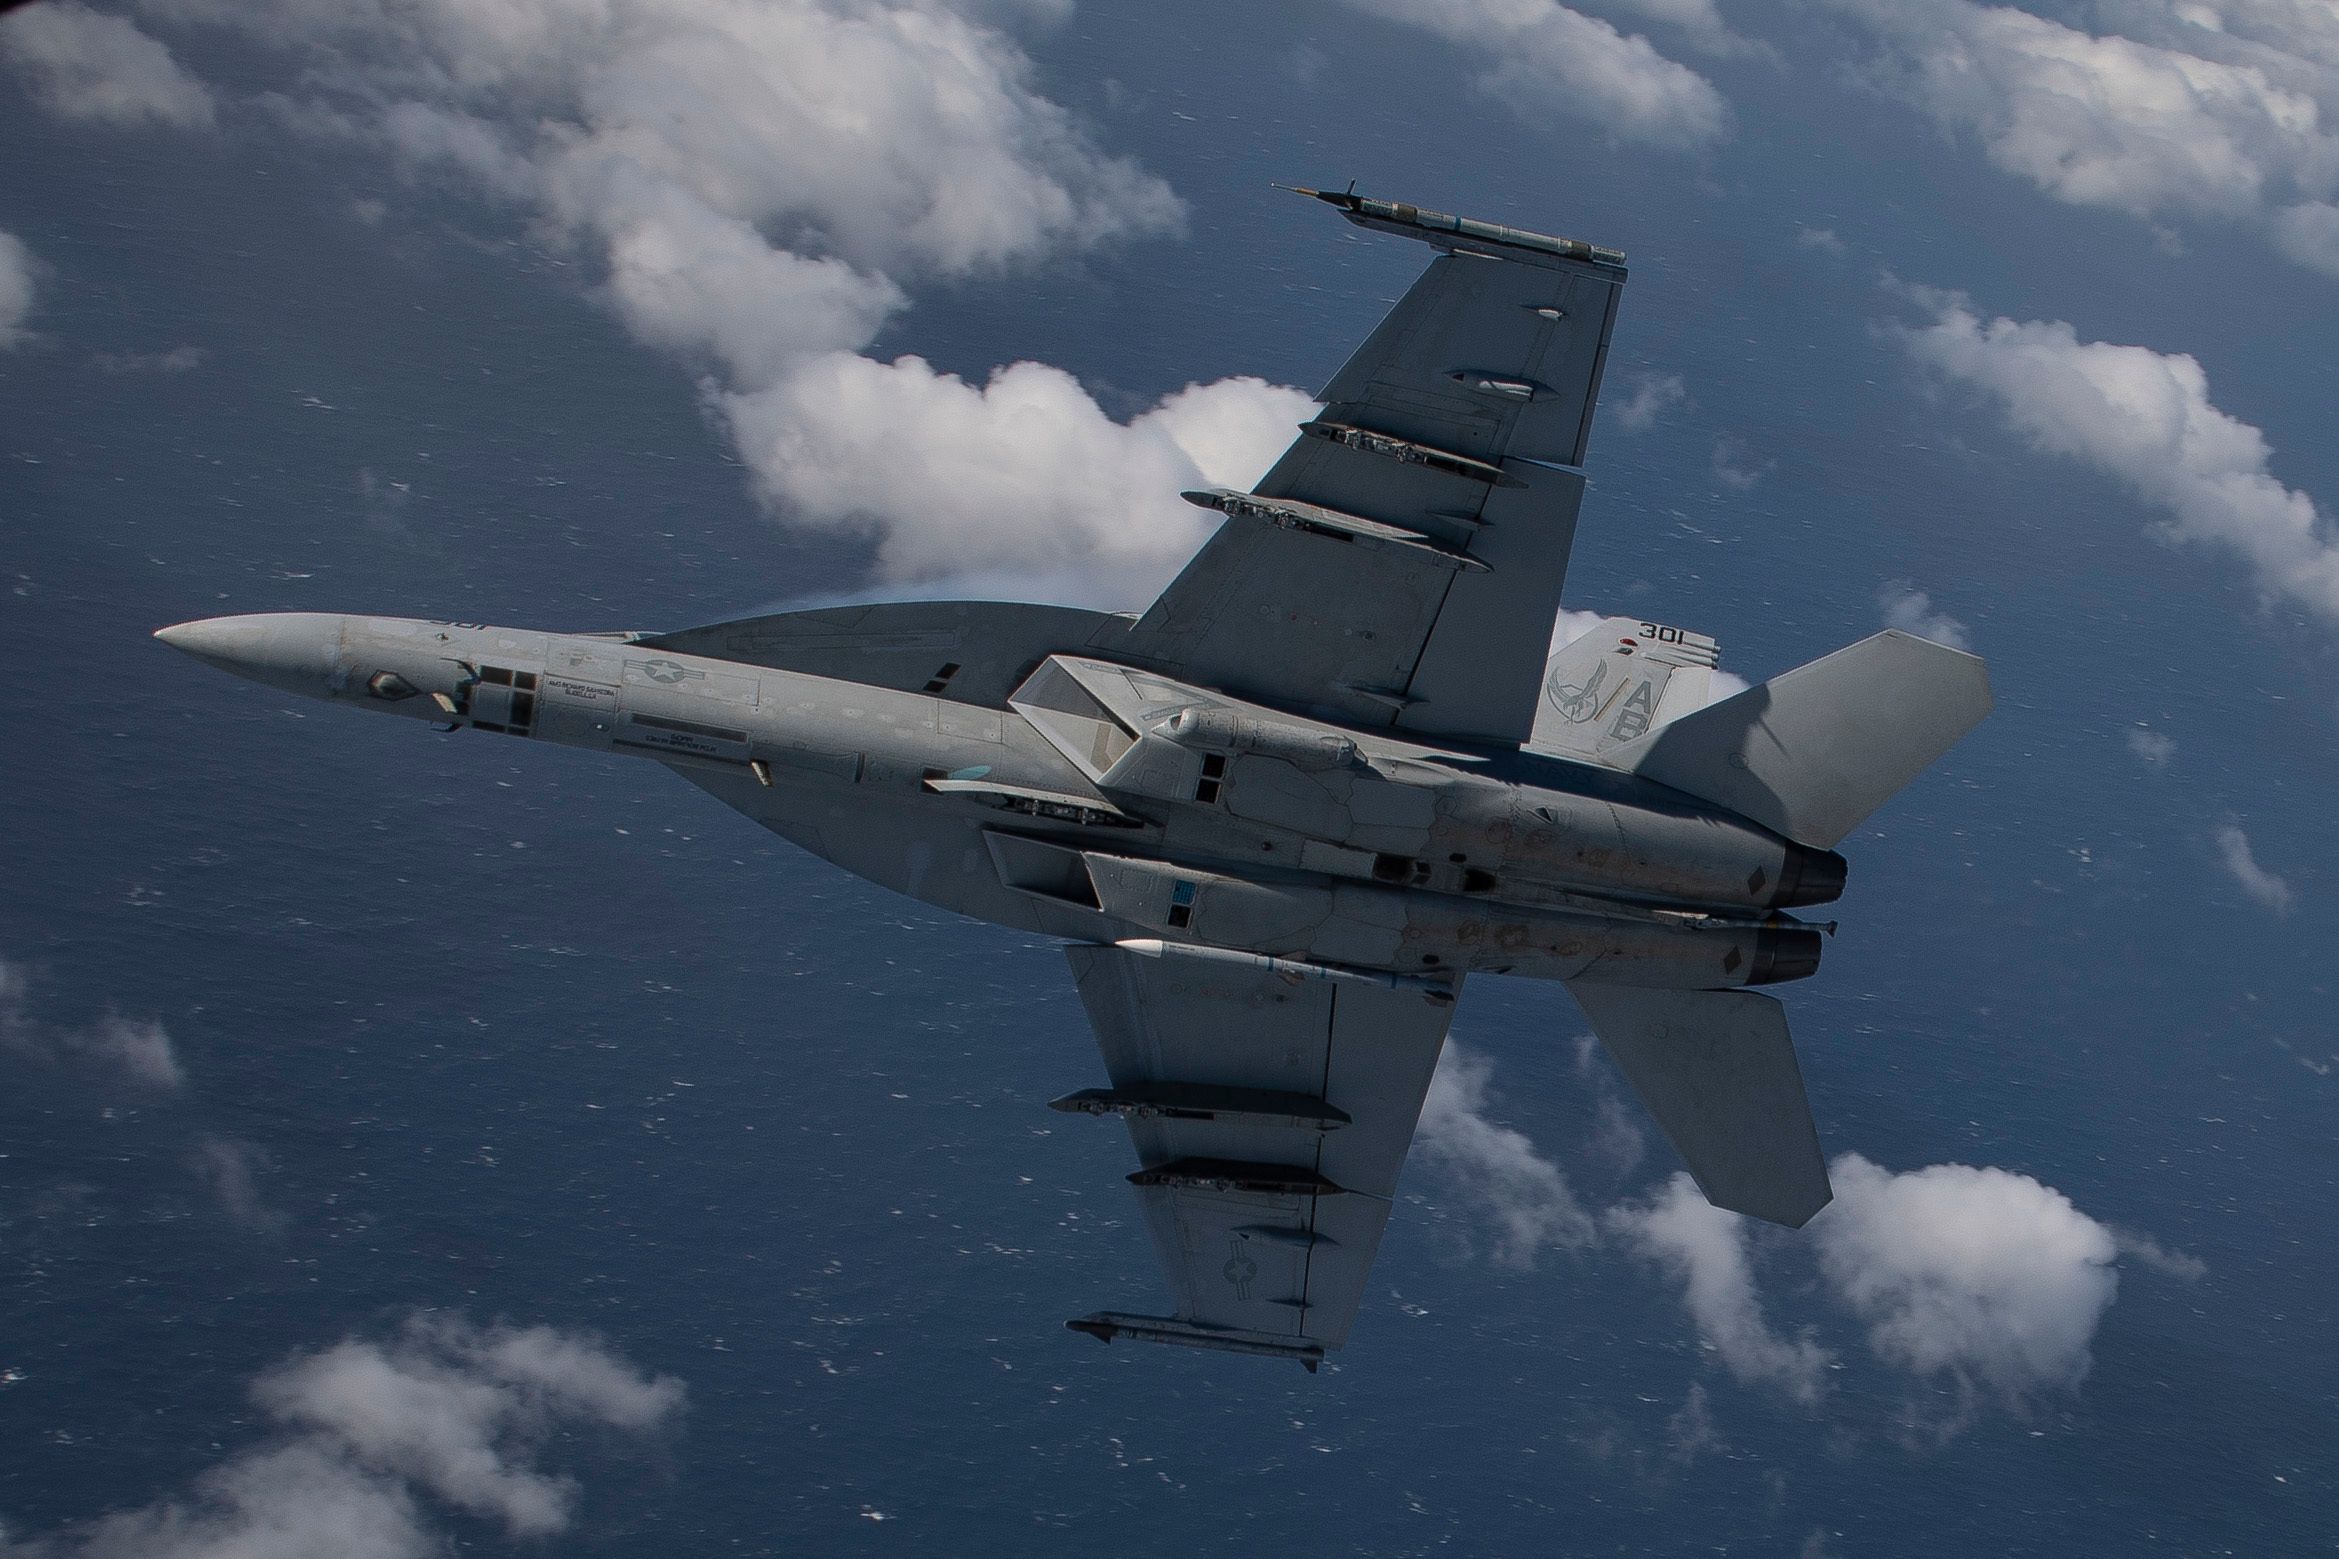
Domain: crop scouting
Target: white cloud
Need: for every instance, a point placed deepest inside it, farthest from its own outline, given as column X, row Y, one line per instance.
column 368, row 1430
column 1823, row 239
column 2144, row 419
column 1652, row 396
column 1736, row 465
column 2153, row 747
column 889, row 136
column 1025, row 472
column 1690, row 1432
column 232, row 1168
column 292, row 1502
column 2308, row 234
column 763, row 183
column 2241, row 863
column 1706, row 1248
column 702, row 284
column 2178, row 120
column 2150, row 1254
column 1911, row 611
column 139, row 1049
column 459, row 1412
column 1981, row 1277
column 1521, row 1192
column 1616, row 1140
column 16, row 289
column 1570, row 626
column 90, row 66
column 2295, row 42
column 1700, row 23
column 1549, row 62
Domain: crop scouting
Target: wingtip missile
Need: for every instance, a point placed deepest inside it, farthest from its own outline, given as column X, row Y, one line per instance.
column 1453, row 232
column 1346, row 199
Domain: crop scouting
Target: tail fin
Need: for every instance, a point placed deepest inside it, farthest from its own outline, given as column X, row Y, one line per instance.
column 1619, row 682
column 1718, row 1072
column 1811, row 753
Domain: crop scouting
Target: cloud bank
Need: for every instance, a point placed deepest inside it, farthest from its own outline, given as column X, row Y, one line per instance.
column 1706, row 1250
column 1546, row 62
column 2144, row 419
column 1980, row 1280
column 2241, row 864
column 1521, row 1194
column 136, row 1049
column 759, row 185
column 1911, row 611
column 1982, row 1277
column 1025, row 472
column 369, row 1432
column 101, row 69
column 1652, row 396
column 2207, row 112
column 2151, row 747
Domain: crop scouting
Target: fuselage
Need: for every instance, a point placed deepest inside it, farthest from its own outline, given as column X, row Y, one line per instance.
column 1108, row 805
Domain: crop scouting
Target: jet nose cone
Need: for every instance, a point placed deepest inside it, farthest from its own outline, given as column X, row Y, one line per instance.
column 299, row 652
column 188, row 637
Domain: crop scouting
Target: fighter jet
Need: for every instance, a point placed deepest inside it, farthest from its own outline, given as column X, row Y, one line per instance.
column 1284, row 814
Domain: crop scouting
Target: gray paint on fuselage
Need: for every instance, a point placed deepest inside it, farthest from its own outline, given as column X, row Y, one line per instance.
column 1576, row 866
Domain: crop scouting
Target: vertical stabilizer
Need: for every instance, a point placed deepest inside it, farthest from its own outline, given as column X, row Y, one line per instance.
column 1617, row 683
column 1811, row 753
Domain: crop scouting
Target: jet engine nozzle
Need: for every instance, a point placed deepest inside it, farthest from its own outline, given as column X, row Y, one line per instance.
column 1810, row 877
column 299, row 652
column 1789, row 952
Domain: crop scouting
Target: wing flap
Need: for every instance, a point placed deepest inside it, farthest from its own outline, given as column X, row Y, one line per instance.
column 1493, row 622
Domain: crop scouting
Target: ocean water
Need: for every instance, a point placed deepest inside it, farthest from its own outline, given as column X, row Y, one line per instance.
column 554, row 1038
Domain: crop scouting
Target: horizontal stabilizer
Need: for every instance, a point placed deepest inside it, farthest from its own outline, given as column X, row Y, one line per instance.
column 1717, row 1070
column 1811, row 753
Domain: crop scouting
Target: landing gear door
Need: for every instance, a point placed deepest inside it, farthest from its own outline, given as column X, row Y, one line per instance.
column 578, row 700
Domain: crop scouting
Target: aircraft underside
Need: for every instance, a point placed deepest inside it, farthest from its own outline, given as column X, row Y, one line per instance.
column 1282, row 814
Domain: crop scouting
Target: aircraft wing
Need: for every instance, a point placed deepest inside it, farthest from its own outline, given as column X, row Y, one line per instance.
column 1271, row 1105
column 1401, row 564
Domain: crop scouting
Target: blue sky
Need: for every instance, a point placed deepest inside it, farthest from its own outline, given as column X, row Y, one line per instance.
column 2011, row 328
